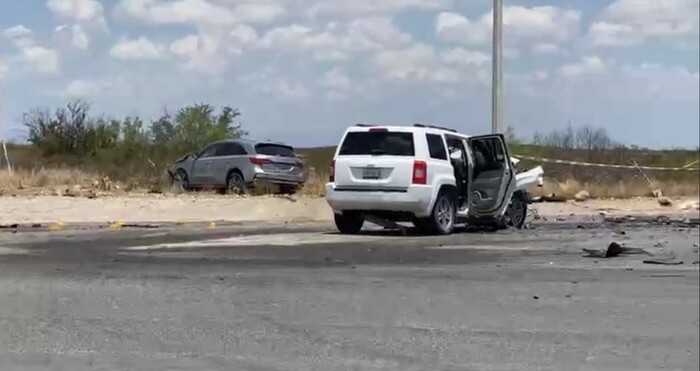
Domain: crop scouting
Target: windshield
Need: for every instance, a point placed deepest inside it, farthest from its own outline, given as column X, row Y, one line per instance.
column 378, row 143
column 275, row 150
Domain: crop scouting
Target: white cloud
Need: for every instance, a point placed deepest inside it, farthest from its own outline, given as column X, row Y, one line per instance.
column 227, row 12
column 418, row 63
column 338, row 85
column 78, row 36
column 141, row 48
column 586, row 66
column 180, row 11
column 241, row 36
column 286, row 90
column 200, row 12
column 76, row 10
column 3, row 70
column 270, row 81
column 40, row 60
column 337, row 41
column 80, row 89
column 523, row 27
column 18, row 31
column 356, row 8
column 35, row 58
column 202, row 52
column 462, row 56
column 186, row 46
column 632, row 22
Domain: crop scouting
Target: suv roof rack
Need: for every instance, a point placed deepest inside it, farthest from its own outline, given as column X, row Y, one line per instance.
column 364, row 125
column 434, row 127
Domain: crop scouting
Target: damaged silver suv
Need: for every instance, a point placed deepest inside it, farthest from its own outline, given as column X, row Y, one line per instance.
column 237, row 165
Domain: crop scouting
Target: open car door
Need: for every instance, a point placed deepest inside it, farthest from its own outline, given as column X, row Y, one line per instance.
column 492, row 182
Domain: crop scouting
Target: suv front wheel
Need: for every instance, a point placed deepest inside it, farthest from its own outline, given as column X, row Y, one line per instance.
column 443, row 218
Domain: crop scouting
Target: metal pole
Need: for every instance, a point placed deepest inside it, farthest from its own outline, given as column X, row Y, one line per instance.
column 497, row 68
column 2, row 142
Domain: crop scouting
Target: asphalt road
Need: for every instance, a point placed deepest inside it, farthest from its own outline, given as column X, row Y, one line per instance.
column 300, row 298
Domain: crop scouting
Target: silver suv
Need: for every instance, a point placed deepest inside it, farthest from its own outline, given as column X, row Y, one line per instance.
column 237, row 165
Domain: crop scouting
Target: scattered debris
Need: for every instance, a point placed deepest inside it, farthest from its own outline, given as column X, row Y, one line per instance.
column 145, row 226
column 536, row 297
column 9, row 226
column 582, row 196
column 663, row 261
column 614, row 250
column 548, row 198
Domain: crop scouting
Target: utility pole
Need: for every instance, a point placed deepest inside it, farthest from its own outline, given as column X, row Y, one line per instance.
column 497, row 68
column 2, row 142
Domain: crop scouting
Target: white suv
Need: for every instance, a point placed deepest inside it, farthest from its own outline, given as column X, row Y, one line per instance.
column 431, row 176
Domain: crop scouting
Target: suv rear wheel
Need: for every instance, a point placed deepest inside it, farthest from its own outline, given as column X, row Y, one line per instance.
column 235, row 184
column 349, row 222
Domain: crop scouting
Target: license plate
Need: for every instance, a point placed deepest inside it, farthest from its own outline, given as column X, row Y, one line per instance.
column 280, row 168
column 370, row 173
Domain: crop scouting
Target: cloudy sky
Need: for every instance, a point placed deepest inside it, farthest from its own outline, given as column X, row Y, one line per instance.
column 303, row 70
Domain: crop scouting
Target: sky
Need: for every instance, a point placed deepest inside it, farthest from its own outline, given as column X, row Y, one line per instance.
column 301, row 71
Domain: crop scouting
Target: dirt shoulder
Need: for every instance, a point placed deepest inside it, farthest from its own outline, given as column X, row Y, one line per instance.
column 184, row 208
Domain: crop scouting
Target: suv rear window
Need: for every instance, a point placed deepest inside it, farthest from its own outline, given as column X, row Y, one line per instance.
column 378, row 143
column 274, row 150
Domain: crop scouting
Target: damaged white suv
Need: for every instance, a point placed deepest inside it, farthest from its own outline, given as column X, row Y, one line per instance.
column 433, row 177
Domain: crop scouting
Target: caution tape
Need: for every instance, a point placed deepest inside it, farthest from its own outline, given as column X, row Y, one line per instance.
column 590, row 164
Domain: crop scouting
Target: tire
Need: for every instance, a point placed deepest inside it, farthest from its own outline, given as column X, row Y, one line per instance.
column 182, row 179
column 349, row 223
column 287, row 189
column 516, row 213
column 236, row 185
column 443, row 217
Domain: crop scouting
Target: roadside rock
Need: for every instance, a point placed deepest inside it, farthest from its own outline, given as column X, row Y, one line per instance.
column 74, row 191
column 665, row 201
column 582, row 196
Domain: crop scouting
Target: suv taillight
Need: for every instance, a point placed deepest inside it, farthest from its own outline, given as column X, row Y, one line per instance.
column 331, row 172
column 420, row 172
column 257, row 160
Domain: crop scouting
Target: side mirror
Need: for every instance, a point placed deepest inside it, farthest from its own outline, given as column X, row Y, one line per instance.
column 456, row 155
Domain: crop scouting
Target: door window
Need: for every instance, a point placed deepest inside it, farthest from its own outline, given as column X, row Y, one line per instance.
column 436, row 146
column 230, row 149
column 209, row 151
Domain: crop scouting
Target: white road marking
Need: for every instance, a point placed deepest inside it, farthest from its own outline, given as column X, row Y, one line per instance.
column 13, row 251
column 280, row 239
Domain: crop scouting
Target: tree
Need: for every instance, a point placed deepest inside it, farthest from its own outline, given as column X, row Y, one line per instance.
column 590, row 138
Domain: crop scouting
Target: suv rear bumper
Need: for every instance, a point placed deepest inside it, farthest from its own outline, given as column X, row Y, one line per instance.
column 415, row 199
column 279, row 178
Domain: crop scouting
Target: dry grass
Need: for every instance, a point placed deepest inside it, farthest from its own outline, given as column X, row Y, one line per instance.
column 58, row 180
column 620, row 189
column 315, row 184
column 44, row 178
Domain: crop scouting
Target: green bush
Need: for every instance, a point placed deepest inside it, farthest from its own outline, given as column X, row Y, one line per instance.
column 128, row 147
